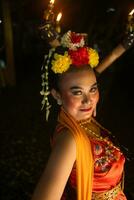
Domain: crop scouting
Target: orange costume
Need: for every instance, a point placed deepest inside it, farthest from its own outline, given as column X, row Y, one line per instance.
column 103, row 179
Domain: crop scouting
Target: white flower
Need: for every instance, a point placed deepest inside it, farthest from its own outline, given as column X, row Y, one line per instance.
column 67, row 42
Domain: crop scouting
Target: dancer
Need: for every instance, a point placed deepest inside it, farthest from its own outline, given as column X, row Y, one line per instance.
column 84, row 163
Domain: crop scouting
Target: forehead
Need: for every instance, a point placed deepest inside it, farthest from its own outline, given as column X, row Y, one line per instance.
column 80, row 78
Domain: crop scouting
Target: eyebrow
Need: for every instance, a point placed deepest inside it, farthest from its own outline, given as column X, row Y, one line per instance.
column 77, row 87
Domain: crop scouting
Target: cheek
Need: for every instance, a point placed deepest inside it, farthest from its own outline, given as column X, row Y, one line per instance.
column 70, row 101
column 96, row 98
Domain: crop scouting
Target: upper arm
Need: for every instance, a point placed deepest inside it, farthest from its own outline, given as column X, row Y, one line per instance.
column 58, row 169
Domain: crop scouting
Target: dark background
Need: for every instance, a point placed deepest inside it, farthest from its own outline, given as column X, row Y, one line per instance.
column 24, row 136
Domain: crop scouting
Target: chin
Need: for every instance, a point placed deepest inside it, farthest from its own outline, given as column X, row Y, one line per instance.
column 87, row 116
column 84, row 117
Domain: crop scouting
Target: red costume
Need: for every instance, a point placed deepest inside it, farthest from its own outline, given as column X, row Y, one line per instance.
column 108, row 168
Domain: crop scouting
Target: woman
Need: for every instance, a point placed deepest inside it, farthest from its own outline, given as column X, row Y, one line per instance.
column 84, row 164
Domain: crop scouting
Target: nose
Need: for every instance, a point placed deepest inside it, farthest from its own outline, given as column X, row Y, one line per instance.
column 86, row 99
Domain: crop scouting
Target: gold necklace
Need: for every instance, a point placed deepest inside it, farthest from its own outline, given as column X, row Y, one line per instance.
column 84, row 125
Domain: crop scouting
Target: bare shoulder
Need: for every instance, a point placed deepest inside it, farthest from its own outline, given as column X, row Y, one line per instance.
column 63, row 155
column 66, row 139
column 64, row 147
column 58, row 168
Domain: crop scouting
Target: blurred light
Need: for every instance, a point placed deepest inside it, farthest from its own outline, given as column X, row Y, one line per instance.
column 0, row 21
column 110, row 10
column 52, row 1
column 59, row 17
column 132, row 12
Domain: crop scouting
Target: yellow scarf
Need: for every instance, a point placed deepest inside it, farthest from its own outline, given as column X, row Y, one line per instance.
column 84, row 158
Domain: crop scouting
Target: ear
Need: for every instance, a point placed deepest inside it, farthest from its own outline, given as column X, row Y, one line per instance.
column 56, row 95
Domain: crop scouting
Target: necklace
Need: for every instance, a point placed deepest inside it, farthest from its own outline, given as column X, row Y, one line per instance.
column 88, row 126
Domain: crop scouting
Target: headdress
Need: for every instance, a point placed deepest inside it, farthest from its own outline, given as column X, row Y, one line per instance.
column 76, row 54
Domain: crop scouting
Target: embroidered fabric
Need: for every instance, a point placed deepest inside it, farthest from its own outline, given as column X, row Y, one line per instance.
column 108, row 170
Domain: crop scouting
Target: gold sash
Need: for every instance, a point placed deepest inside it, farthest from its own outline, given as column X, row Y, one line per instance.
column 84, row 158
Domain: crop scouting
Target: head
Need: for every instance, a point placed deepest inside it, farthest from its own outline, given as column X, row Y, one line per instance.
column 72, row 80
column 77, row 92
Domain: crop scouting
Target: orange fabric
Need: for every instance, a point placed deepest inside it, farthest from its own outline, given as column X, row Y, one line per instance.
column 84, row 158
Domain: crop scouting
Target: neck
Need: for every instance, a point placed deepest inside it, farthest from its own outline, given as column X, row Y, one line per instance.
column 85, row 121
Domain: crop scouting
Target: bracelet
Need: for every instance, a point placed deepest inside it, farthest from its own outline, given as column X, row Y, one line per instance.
column 128, row 41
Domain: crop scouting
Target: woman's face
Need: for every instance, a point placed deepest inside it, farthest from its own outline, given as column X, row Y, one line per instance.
column 79, row 93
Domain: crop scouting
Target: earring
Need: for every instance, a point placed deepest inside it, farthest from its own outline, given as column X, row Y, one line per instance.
column 59, row 102
column 94, row 112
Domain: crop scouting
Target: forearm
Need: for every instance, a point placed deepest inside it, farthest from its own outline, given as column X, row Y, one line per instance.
column 106, row 62
column 123, row 46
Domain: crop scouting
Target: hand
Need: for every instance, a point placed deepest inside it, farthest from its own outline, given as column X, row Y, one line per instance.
column 48, row 32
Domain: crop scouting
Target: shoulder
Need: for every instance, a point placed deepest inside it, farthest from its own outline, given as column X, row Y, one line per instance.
column 58, row 168
column 62, row 134
column 63, row 153
column 64, row 139
column 64, row 146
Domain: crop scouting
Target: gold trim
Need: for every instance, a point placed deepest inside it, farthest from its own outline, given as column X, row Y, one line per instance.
column 110, row 194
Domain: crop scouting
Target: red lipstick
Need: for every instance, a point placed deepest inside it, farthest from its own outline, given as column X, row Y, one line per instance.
column 85, row 109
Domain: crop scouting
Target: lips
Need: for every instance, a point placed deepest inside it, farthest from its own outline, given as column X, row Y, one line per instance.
column 86, row 109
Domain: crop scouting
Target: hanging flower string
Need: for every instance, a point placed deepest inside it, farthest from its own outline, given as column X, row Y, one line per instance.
column 45, row 85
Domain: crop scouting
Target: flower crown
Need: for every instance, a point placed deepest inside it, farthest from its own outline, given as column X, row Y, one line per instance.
column 77, row 53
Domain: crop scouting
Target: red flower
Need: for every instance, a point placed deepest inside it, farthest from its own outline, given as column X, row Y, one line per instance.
column 75, row 38
column 79, row 57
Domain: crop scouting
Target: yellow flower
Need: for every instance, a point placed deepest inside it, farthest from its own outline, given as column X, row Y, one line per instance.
column 61, row 63
column 93, row 57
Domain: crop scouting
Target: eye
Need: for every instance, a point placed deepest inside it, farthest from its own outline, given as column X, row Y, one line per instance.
column 77, row 92
column 93, row 89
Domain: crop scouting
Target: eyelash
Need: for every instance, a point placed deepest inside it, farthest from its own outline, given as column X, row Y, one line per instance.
column 92, row 90
column 77, row 92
